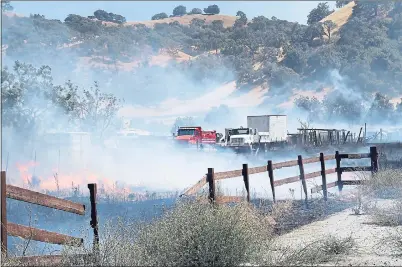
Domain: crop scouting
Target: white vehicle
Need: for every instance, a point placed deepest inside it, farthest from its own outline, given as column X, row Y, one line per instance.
column 260, row 131
column 243, row 138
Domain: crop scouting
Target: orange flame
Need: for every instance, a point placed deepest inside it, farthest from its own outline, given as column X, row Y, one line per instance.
column 57, row 182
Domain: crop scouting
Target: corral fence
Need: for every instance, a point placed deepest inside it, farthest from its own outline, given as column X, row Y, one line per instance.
column 211, row 177
column 30, row 233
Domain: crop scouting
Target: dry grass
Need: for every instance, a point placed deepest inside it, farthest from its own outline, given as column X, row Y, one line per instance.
column 196, row 233
column 325, row 249
column 381, row 198
column 386, row 184
column 228, row 21
column 341, row 16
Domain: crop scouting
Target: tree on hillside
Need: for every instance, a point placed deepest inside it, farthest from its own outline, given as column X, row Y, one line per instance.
column 196, row 11
column 110, row 17
column 371, row 9
column 83, row 25
column 159, row 16
column 313, row 32
column 212, row 9
column 318, row 13
column 197, row 23
column 328, row 27
column 6, row 6
column 179, row 11
column 342, row 3
column 296, row 59
column 241, row 20
column 323, row 60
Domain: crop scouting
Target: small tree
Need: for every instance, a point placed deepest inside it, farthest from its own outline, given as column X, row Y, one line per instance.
column 101, row 15
column 328, row 26
column 318, row 13
column 196, row 11
column 159, row 16
column 179, row 11
column 213, row 9
column 241, row 20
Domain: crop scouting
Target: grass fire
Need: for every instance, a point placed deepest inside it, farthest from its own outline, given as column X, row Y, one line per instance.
column 210, row 135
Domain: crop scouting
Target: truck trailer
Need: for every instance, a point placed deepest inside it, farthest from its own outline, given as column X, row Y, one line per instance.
column 261, row 132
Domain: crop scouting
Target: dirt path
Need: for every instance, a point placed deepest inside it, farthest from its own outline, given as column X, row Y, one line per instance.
column 370, row 248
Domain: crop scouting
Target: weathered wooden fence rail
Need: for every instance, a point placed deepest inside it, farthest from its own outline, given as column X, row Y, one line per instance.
column 211, row 177
column 26, row 232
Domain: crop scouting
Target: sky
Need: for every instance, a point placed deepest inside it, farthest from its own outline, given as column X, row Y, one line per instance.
column 295, row 11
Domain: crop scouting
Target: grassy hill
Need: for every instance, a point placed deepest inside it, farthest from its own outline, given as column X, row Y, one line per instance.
column 341, row 16
column 156, row 58
column 228, row 21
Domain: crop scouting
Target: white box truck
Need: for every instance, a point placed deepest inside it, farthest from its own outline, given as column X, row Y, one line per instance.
column 271, row 128
column 260, row 131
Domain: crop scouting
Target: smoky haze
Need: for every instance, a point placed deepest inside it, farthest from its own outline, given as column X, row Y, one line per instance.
column 154, row 164
column 154, row 96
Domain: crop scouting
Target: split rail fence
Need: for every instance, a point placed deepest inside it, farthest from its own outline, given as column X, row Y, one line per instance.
column 211, row 177
column 30, row 233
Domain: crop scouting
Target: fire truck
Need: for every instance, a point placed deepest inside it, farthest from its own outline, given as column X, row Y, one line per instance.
column 196, row 136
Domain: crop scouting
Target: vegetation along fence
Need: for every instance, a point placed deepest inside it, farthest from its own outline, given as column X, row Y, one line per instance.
column 30, row 233
column 212, row 176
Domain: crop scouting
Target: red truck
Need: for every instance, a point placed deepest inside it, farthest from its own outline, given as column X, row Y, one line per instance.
column 195, row 136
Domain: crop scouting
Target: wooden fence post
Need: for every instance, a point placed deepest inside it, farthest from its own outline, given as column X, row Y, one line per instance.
column 94, row 217
column 211, row 183
column 324, row 177
column 302, row 178
column 271, row 179
column 374, row 159
column 338, row 170
column 3, row 214
column 246, row 180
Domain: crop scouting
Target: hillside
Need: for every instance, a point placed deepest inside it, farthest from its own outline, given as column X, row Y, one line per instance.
column 228, row 21
column 262, row 62
column 341, row 16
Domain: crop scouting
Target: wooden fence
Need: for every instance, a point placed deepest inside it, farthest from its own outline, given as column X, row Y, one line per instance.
column 211, row 177
column 25, row 232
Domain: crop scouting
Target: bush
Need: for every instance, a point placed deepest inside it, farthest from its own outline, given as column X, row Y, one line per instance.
column 159, row 16
column 192, row 233
column 196, row 11
column 213, row 9
column 179, row 11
